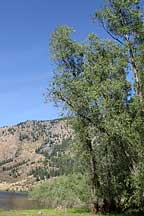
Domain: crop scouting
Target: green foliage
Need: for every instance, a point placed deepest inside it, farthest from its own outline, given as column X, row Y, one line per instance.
column 123, row 20
column 14, row 173
column 16, row 165
column 24, row 136
column 11, row 130
column 68, row 191
column 5, row 161
column 58, row 157
column 91, row 83
column 40, row 173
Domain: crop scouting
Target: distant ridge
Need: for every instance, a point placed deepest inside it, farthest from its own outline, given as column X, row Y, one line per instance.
column 24, row 146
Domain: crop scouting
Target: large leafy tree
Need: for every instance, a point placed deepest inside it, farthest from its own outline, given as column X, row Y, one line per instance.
column 123, row 20
column 91, row 82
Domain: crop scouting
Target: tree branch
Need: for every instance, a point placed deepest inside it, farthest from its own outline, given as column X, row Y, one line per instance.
column 116, row 39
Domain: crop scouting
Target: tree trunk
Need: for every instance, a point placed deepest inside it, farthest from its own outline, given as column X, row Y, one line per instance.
column 109, row 206
column 136, row 74
column 95, row 180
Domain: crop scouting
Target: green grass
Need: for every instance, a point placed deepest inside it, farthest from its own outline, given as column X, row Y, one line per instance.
column 50, row 212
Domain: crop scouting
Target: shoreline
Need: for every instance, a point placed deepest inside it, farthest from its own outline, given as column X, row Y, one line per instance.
column 4, row 186
column 24, row 193
column 24, row 185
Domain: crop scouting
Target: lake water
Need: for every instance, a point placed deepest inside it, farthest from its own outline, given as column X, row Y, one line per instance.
column 10, row 200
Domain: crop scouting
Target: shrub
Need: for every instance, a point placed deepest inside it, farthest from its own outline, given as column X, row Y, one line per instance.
column 69, row 191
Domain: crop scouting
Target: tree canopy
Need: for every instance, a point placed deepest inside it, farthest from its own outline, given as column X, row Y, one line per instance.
column 91, row 82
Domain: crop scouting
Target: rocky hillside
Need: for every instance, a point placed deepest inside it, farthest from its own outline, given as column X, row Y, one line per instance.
column 27, row 148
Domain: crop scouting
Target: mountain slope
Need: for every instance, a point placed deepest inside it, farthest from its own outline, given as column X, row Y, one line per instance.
column 25, row 146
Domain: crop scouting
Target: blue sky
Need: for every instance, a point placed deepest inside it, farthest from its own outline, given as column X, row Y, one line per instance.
column 25, row 65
